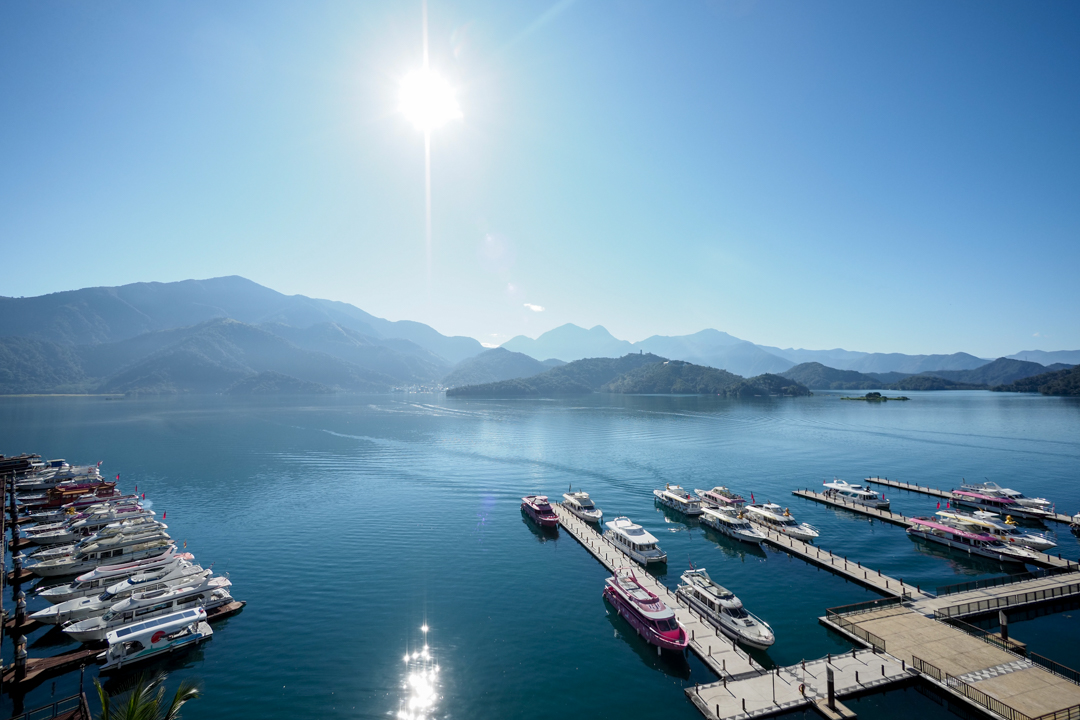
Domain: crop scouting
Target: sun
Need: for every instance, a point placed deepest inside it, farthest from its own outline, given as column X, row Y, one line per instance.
column 428, row 101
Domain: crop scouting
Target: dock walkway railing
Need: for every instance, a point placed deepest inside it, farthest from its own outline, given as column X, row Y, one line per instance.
column 990, row 604
column 60, row 707
column 838, row 616
column 980, row 698
column 998, row 581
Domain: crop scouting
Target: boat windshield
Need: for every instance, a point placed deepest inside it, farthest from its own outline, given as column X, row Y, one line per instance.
column 737, row 613
column 105, row 596
column 788, row 522
column 109, row 615
column 667, row 624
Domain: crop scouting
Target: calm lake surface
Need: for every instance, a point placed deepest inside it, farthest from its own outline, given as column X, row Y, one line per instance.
column 347, row 523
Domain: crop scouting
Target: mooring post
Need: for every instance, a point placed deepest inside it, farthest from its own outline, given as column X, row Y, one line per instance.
column 857, row 678
column 20, row 657
column 882, row 671
column 20, row 609
column 1004, row 620
column 831, row 688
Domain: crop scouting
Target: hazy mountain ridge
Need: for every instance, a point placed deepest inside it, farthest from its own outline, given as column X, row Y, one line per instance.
column 495, row 365
column 676, row 377
column 1059, row 382
column 574, row 378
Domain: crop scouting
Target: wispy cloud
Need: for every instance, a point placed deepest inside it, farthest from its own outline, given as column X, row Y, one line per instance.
column 535, row 308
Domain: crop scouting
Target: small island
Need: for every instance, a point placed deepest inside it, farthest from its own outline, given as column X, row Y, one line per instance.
column 875, row 397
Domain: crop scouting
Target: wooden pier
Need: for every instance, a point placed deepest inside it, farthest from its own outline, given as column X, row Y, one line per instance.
column 947, row 495
column 788, row 688
column 973, row 669
column 722, row 655
column 1042, row 559
column 850, row 569
column 38, row 669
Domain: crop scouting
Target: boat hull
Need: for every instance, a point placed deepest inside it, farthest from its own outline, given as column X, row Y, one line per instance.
column 965, row 548
column 689, row 511
column 203, row 634
column 751, row 538
column 646, row 631
column 752, row 641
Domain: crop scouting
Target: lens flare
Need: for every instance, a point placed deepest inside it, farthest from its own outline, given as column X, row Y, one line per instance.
column 420, row 685
column 428, row 101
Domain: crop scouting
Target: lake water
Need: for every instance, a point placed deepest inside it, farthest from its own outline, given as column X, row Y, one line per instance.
column 347, row 523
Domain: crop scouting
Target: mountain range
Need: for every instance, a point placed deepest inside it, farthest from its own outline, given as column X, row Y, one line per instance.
column 232, row 335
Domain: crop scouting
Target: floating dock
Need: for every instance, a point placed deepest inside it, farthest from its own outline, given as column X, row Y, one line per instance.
column 1043, row 560
column 38, row 669
column 971, row 668
column 947, row 495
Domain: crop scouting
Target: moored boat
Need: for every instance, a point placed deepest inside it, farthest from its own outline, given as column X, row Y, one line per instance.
column 676, row 498
column 990, row 523
column 539, row 509
column 145, row 640
column 720, row 497
column 725, row 611
column 208, row 593
column 733, row 524
column 647, row 614
column 94, row 605
column 855, row 494
column 997, row 504
column 995, row 490
column 580, row 504
column 771, row 516
column 93, row 582
column 972, row 543
column 111, row 551
column 635, row 541
column 64, row 512
column 86, row 523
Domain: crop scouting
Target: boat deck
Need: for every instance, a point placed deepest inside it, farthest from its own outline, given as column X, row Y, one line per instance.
column 947, row 495
column 1043, row 560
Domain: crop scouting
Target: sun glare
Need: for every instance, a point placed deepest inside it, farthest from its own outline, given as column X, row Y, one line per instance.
column 427, row 100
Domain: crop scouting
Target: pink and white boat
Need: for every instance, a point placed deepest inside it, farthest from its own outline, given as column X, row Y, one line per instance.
column 1001, row 505
column 722, row 498
column 646, row 612
column 93, row 582
column 969, row 542
column 539, row 509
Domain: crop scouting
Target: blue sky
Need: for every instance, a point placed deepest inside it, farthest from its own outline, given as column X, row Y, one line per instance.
column 876, row 176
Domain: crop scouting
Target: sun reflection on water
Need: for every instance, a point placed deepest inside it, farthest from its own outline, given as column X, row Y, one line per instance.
column 421, row 684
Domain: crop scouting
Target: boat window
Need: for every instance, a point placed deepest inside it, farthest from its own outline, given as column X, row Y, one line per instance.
column 105, row 596
column 667, row 624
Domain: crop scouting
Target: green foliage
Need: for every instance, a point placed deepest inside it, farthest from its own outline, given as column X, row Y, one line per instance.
column 580, row 377
column 34, row 366
column 931, row 382
column 144, row 699
column 816, row 375
column 1062, row 382
column 673, row 377
column 999, row 372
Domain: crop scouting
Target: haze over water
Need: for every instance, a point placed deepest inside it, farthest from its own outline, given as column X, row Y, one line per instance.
column 347, row 523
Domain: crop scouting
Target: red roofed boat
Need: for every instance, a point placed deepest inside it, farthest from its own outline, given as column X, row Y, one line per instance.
column 652, row 619
column 539, row 509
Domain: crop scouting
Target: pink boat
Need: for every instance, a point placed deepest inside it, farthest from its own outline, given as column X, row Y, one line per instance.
column 539, row 509
column 969, row 542
column 1002, row 505
column 652, row 619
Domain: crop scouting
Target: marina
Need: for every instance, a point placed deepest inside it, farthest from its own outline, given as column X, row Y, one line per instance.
column 948, row 495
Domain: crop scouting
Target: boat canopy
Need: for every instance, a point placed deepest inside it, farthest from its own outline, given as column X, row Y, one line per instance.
column 164, row 624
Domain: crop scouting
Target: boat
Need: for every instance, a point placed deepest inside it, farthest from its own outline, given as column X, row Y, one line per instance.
column 720, row 497
column 1075, row 524
column 93, row 605
column 55, row 473
column 93, row 582
column 145, row 640
column 539, row 509
column 997, row 504
column 969, row 542
column 725, row 611
column 208, row 593
column 635, row 541
column 646, row 612
column 110, row 551
column 995, row 490
column 990, row 523
column 85, row 502
column 856, row 494
column 580, row 504
column 86, row 523
column 57, row 496
column 674, row 497
column 125, row 527
column 733, row 524
column 771, row 516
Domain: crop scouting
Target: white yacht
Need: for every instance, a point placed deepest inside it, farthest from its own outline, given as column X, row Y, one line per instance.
column 209, row 593
column 995, row 490
column 140, row 526
column 94, row 605
column 973, row 543
column 856, row 494
column 732, row 524
column 110, row 551
column 93, row 582
column 635, row 541
column 580, row 504
column 144, row 640
column 720, row 497
column 676, row 498
column 990, row 523
column 771, row 516
column 86, row 523
column 724, row 610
